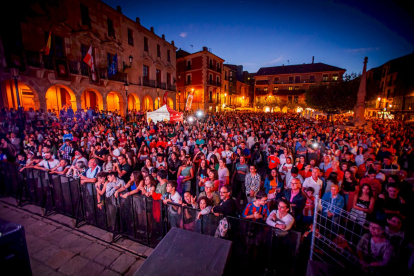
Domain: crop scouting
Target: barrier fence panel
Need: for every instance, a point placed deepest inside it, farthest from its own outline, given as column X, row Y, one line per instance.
column 140, row 218
column 338, row 238
column 155, row 220
column 251, row 245
column 126, row 217
column 12, row 182
column 102, row 215
column 65, row 194
column 208, row 224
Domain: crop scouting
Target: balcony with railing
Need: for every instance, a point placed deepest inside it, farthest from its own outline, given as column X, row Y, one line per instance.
column 262, row 82
column 118, row 76
column 214, row 68
column 215, row 83
column 78, row 67
column 188, row 82
column 171, row 87
column 261, row 92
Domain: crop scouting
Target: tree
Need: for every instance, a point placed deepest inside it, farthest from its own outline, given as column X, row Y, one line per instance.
column 336, row 97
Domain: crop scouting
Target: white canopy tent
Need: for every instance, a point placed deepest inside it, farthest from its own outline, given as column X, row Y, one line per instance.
column 159, row 115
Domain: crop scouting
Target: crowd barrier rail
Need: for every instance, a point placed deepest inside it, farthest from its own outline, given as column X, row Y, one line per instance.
column 337, row 238
column 145, row 220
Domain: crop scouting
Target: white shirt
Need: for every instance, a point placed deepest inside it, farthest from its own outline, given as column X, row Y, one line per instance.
column 316, row 185
column 49, row 164
column 287, row 220
column 227, row 155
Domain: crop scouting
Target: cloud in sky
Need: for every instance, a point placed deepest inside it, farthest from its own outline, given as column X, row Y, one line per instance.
column 363, row 50
column 183, row 34
column 274, row 61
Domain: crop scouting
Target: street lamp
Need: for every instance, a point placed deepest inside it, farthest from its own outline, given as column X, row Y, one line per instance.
column 179, row 99
column 125, row 66
column 126, row 86
column 15, row 74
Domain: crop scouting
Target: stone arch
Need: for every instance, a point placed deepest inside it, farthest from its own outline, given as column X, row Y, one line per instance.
column 91, row 98
column 284, row 109
column 133, row 102
column 147, row 103
column 59, row 97
column 28, row 96
column 266, row 109
column 277, row 109
column 170, row 103
column 114, row 101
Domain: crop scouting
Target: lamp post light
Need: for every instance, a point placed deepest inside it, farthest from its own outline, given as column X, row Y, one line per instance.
column 15, row 74
column 126, row 86
column 125, row 66
column 179, row 99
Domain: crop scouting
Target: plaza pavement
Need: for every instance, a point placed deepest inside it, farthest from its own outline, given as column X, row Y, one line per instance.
column 57, row 248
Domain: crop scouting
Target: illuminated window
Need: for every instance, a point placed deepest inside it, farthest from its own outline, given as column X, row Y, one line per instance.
column 335, row 77
column 290, row 87
column 296, row 87
column 275, row 88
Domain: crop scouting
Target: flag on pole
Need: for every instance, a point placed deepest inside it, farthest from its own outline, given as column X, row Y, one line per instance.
column 88, row 59
column 46, row 49
column 112, row 65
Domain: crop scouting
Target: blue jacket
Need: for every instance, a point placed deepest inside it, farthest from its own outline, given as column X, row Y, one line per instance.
column 329, row 204
column 268, row 187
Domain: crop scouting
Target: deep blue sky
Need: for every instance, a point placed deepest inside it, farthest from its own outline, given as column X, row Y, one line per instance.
column 264, row 33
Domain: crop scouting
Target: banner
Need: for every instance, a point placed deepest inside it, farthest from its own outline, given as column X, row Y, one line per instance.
column 189, row 100
column 112, row 65
column 165, row 97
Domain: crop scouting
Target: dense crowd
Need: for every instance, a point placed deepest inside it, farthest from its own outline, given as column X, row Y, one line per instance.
column 264, row 167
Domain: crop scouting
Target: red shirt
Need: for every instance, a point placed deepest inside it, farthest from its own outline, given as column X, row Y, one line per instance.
column 338, row 172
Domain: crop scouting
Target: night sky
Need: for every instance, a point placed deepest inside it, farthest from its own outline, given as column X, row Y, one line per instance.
column 271, row 33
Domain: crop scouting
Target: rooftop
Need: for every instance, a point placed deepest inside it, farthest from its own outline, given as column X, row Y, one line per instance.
column 300, row 68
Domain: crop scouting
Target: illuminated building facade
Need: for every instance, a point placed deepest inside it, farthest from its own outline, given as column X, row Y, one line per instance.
column 199, row 73
column 123, row 51
column 283, row 88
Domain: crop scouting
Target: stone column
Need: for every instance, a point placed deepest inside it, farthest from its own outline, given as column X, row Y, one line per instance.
column 359, row 112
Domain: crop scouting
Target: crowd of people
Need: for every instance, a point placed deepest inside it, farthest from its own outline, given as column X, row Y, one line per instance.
column 264, row 167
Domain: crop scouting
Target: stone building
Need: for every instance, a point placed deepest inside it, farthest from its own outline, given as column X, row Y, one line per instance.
column 200, row 73
column 235, row 89
column 123, row 51
column 390, row 89
column 283, row 87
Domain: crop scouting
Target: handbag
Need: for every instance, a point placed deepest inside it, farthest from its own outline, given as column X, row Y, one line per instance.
column 221, row 231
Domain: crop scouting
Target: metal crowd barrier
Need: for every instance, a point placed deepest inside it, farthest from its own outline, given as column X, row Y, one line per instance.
column 336, row 239
column 146, row 220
